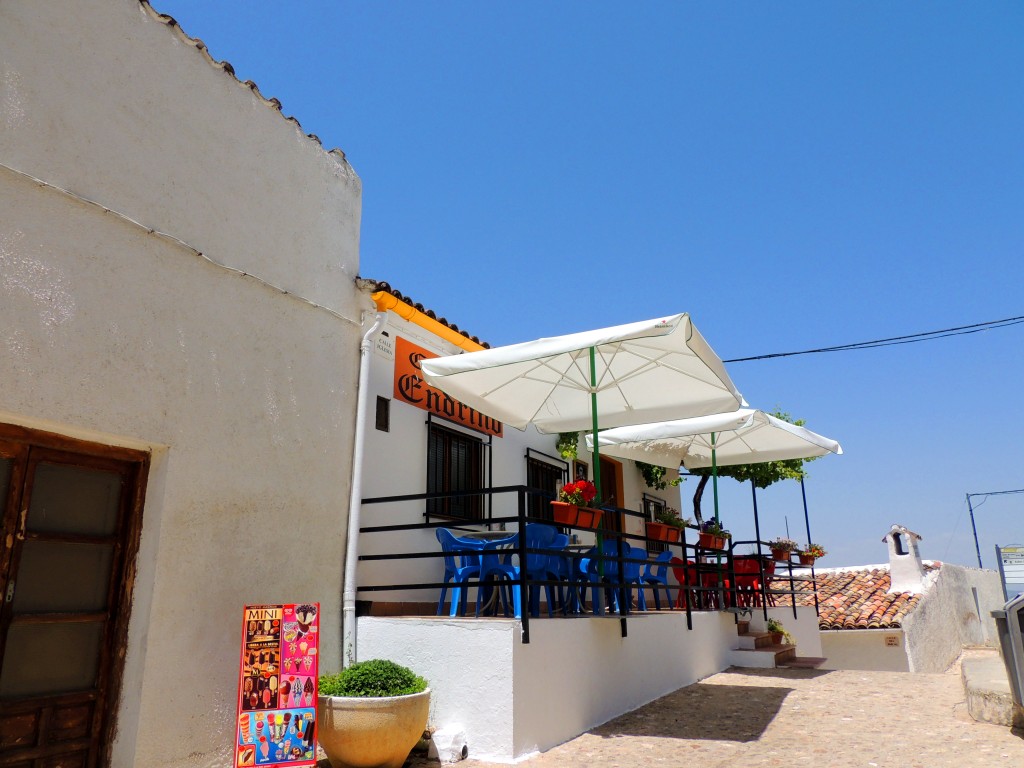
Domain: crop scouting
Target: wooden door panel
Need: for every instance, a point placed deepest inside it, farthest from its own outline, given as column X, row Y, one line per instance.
column 71, row 526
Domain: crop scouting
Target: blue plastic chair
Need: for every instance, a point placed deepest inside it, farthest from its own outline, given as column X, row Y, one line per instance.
column 590, row 566
column 461, row 563
column 542, row 567
column 656, row 574
column 495, row 566
column 631, row 574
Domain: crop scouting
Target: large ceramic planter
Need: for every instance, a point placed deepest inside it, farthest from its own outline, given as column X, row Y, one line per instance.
column 368, row 732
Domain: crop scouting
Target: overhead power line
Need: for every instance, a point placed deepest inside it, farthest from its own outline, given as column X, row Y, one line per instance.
column 912, row 338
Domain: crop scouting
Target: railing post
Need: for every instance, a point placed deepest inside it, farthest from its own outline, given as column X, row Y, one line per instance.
column 522, row 586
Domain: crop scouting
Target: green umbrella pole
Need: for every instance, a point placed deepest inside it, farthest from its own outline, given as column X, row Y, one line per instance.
column 714, row 485
column 714, row 474
column 597, row 454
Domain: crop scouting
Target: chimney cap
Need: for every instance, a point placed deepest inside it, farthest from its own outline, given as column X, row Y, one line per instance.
column 897, row 528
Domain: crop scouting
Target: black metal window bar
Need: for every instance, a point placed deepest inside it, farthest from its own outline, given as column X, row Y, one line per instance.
column 704, row 560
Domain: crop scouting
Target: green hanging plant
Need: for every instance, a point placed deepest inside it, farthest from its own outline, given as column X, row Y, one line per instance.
column 655, row 476
column 567, row 442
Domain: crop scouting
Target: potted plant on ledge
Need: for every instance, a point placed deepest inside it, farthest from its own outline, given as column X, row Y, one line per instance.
column 713, row 535
column 810, row 553
column 778, row 632
column 781, row 548
column 667, row 525
column 571, row 509
column 371, row 714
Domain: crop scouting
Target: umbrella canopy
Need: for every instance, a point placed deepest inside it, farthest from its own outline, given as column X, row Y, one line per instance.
column 746, row 436
column 640, row 372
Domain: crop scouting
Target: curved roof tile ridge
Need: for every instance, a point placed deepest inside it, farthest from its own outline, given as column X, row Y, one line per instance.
column 386, row 287
column 226, row 66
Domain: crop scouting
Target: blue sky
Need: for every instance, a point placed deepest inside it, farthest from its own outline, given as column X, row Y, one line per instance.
column 792, row 175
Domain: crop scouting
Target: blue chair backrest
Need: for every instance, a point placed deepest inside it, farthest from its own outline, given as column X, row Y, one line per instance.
column 452, row 547
column 659, row 568
column 539, row 536
column 609, row 548
column 637, row 556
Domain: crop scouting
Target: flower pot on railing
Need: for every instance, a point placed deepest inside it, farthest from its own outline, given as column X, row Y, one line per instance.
column 710, row 541
column 660, row 532
column 780, row 555
column 564, row 513
column 806, row 559
column 588, row 517
column 573, row 515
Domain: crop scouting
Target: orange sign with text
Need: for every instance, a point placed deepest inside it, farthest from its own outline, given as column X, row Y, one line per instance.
column 411, row 388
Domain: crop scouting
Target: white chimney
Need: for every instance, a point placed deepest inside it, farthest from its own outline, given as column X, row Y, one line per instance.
column 906, row 570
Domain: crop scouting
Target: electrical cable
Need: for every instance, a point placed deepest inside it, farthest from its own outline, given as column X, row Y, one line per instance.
column 894, row 340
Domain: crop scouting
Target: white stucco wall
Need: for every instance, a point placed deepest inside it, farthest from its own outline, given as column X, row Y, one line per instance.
column 953, row 613
column 869, row 649
column 514, row 699
column 803, row 628
column 245, row 395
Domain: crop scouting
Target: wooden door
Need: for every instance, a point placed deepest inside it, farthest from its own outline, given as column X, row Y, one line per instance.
column 70, row 532
column 611, row 492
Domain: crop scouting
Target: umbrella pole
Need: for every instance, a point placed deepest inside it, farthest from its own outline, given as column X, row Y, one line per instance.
column 714, row 486
column 599, row 608
column 714, row 474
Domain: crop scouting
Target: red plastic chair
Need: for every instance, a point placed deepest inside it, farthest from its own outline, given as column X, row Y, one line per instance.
column 686, row 575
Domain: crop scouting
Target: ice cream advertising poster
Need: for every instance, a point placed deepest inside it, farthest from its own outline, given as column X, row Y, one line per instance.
column 277, row 686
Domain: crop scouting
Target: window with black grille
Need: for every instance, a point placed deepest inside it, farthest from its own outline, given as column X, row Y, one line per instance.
column 455, row 463
column 544, row 476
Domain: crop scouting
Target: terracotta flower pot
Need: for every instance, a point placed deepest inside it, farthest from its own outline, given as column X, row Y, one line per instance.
column 806, row 559
column 781, row 555
column 710, row 541
column 660, row 531
column 588, row 517
column 564, row 513
column 371, row 732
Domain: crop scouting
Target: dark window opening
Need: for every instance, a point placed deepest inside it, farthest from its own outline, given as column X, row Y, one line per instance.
column 383, row 414
column 653, row 505
column 547, row 477
column 455, row 463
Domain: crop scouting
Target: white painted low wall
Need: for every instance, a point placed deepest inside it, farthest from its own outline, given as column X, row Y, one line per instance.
column 514, row 699
column 865, row 649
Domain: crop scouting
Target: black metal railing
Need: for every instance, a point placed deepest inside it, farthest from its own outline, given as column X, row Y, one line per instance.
column 713, row 586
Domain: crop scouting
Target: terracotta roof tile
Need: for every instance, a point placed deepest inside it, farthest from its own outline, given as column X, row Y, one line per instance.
column 225, row 66
column 386, row 287
column 857, row 598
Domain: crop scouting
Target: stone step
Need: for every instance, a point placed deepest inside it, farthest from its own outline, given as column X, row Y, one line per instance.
column 803, row 662
column 768, row 657
column 752, row 640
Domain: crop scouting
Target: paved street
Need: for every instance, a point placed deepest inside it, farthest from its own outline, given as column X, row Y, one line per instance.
column 797, row 717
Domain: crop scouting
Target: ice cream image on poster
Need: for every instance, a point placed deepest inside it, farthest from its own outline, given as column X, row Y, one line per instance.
column 277, row 686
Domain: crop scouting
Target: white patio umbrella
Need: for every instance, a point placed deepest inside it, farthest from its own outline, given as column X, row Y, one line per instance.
column 635, row 373
column 745, row 436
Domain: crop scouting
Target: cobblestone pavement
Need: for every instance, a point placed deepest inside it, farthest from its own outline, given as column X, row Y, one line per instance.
column 777, row 717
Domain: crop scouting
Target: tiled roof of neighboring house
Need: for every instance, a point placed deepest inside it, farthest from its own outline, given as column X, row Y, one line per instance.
column 386, row 287
column 856, row 598
column 225, row 66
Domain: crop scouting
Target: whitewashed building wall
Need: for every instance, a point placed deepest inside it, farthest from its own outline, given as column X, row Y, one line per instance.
column 244, row 395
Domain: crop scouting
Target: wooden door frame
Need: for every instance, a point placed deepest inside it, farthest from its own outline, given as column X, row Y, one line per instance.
column 133, row 465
